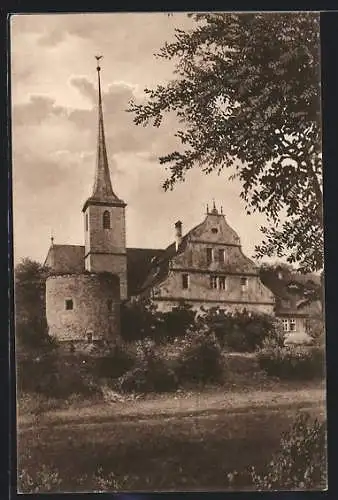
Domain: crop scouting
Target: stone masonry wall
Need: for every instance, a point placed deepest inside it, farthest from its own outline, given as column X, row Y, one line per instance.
column 91, row 314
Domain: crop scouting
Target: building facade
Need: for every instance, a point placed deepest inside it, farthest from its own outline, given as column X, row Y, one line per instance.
column 203, row 267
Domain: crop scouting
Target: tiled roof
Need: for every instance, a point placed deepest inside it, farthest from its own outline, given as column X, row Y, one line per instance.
column 140, row 261
column 66, row 258
column 295, row 293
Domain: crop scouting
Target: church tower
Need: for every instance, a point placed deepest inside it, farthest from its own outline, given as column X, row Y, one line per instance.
column 104, row 216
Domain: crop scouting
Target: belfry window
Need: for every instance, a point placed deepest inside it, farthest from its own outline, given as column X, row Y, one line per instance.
column 106, row 220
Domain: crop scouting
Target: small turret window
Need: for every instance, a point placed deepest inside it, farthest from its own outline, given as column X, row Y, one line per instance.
column 106, row 220
column 69, row 304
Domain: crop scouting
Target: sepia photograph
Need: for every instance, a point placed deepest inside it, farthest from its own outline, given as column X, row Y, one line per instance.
column 168, row 252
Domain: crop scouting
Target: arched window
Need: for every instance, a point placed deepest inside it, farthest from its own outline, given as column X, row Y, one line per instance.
column 106, row 220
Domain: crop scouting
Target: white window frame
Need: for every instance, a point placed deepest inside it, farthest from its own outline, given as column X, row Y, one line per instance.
column 222, row 279
column 213, row 282
column 212, row 255
column 292, row 322
column 287, row 322
column 221, row 251
column 244, row 286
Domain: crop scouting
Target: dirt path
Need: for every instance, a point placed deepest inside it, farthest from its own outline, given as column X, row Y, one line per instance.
column 182, row 405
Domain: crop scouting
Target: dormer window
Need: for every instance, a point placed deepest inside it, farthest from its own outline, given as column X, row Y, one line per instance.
column 106, row 220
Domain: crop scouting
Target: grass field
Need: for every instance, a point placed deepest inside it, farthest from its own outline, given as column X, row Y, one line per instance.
column 174, row 442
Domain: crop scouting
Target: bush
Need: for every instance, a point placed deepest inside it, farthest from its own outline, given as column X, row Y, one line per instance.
column 114, row 364
column 44, row 481
column 201, row 361
column 241, row 331
column 151, row 373
column 301, row 462
column 293, row 362
column 316, row 329
column 139, row 320
column 57, row 376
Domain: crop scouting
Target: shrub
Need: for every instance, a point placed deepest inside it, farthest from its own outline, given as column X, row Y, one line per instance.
column 151, row 373
column 240, row 331
column 139, row 320
column 114, row 364
column 316, row 329
column 44, row 481
column 293, row 362
column 57, row 376
column 201, row 361
column 176, row 323
column 301, row 462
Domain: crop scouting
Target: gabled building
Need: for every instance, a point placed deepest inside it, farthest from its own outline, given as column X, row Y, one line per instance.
column 203, row 267
column 298, row 300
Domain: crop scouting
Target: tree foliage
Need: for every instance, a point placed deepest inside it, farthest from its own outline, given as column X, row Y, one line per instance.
column 30, row 308
column 246, row 93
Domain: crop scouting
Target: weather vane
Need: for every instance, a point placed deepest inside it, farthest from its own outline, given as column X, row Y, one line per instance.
column 98, row 59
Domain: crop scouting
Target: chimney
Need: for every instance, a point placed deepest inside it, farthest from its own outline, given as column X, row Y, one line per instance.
column 178, row 234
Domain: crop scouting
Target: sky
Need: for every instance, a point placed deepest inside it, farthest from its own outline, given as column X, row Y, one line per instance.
column 54, row 132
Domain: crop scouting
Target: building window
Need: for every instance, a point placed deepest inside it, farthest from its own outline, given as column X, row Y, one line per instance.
column 213, row 281
column 110, row 305
column 106, row 220
column 221, row 255
column 185, row 281
column 292, row 325
column 214, row 230
column 69, row 304
column 222, row 283
column 244, row 284
column 86, row 222
column 89, row 337
column 209, row 255
column 289, row 325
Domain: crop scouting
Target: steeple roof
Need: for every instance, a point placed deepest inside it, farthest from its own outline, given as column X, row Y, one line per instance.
column 102, row 189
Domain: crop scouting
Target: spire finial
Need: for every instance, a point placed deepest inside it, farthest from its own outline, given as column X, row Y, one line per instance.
column 207, row 208
column 221, row 209
column 214, row 209
column 51, row 238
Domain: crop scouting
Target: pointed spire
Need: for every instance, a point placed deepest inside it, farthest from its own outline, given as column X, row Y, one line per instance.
column 102, row 189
